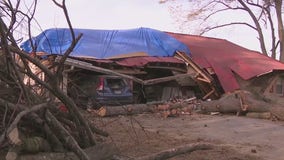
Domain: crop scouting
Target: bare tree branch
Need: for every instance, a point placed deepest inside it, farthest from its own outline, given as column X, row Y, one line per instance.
column 74, row 39
column 259, row 29
column 65, row 136
column 6, row 50
column 279, row 15
column 207, row 29
column 12, row 78
column 33, row 60
column 18, row 118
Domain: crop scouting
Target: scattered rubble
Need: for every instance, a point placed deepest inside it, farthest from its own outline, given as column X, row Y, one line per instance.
column 182, row 85
column 240, row 103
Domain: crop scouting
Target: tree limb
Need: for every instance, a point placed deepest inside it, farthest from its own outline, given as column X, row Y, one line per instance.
column 228, row 7
column 207, row 29
column 32, row 60
column 18, row 118
column 259, row 30
column 166, row 154
column 265, row 9
column 177, row 151
column 65, row 136
column 6, row 50
column 74, row 39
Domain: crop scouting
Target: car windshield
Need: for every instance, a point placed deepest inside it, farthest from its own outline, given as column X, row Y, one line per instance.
column 115, row 83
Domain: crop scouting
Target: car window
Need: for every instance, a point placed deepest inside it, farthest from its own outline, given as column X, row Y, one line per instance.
column 115, row 83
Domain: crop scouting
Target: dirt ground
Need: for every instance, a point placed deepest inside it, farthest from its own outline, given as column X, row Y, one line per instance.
column 233, row 137
column 236, row 138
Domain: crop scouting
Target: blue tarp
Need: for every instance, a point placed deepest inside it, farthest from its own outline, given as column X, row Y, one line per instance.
column 103, row 44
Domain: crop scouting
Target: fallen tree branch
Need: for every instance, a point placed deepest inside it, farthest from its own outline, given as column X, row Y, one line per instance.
column 177, row 151
column 74, row 112
column 125, row 110
column 166, row 79
column 35, row 118
column 132, row 109
column 65, row 136
column 166, row 154
column 19, row 117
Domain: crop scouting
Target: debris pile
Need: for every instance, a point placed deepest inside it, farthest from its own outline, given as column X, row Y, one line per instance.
column 240, row 103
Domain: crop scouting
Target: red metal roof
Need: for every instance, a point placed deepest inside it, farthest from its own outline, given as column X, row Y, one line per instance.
column 226, row 57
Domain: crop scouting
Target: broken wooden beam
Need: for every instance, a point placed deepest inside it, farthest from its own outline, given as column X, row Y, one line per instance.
column 204, row 80
column 185, row 57
column 165, row 79
column 209, row 94
column 89, row 66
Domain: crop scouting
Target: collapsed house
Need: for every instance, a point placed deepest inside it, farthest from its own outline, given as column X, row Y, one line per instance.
column 160, row 66
column 234, row 66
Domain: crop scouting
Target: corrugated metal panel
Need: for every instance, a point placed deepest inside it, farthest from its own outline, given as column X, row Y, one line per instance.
column 226, row 57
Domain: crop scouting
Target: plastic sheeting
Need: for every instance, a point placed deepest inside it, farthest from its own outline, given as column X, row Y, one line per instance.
column 103, row 44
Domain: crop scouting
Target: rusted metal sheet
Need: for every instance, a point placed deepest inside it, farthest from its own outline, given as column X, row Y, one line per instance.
column 227, row 58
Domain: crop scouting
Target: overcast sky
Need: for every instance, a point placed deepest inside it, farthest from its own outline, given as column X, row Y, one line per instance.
column 126, row 14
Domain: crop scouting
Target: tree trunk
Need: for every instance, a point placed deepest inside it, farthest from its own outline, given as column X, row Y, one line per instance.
column 262, row 115
column 233, row 103
column 125, row 110
column 278, row 7
column 258, row 27
column 141, row 108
